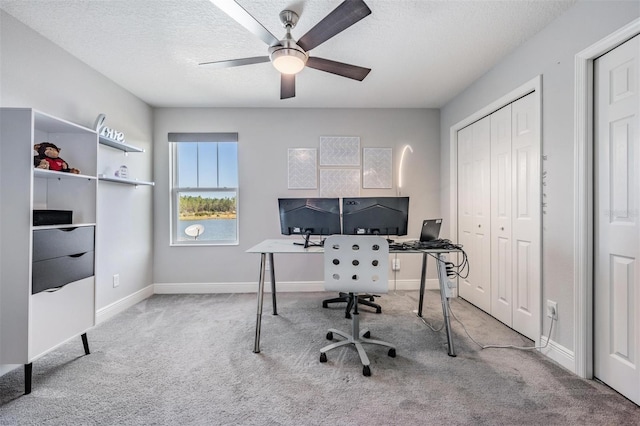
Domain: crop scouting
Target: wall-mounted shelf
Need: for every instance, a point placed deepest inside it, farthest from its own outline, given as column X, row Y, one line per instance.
column 118, row 145
column 125, row 181
column 52, row 174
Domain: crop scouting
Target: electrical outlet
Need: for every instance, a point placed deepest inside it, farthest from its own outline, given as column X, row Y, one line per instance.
column 552, row 309
column 116, row 280
column 395, row 265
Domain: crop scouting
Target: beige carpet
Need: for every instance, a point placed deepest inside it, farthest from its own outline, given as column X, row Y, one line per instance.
column 187, row 359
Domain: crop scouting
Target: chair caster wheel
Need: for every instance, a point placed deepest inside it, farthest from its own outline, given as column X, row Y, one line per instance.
column 329, row 337
column 366, row 371
column 367, row 334
column 323, row 357
column 348, row 316
column 378, row 310
column 392, row 353
column 325, row 305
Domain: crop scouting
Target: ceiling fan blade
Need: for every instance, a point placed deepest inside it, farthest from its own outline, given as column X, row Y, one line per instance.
column 287, row 86
column 244, row 18
column 236, row 62
column 339, row 68
column 346, row 14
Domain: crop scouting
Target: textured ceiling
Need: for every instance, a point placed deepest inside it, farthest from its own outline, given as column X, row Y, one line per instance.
column 422, row 52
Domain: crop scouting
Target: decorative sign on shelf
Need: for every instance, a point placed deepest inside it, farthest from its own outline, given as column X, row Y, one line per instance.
column 107, row 132
column 122, row 172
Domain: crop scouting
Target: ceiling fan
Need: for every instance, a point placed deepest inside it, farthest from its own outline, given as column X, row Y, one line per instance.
column 290, row 57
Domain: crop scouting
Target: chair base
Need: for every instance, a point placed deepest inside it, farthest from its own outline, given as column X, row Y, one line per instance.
column 357, row 338
column 363, row 299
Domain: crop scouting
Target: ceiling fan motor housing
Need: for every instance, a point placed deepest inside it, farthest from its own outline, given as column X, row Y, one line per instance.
column 288, row 57
column 289, row 19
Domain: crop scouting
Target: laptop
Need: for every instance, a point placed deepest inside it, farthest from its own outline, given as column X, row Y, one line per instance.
column 430, row 230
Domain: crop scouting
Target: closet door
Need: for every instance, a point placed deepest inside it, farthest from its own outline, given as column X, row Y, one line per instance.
column 499, row 214
column 617, row 219
column 474, row 210
column 526, row 221
column 501, row 188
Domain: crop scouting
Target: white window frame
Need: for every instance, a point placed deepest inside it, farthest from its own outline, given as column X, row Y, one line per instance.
column 174, row 139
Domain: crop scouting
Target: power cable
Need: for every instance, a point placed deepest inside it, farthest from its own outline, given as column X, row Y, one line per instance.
column 504, row 346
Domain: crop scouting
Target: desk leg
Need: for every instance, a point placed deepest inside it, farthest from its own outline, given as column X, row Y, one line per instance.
column 423, row 279
column 442, row 279
column 273, row 285
column 256, row 346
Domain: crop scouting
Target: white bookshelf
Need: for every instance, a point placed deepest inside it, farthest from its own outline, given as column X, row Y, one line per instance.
column 33, row 324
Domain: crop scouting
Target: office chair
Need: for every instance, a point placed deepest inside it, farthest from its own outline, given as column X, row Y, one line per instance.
column 354, row 264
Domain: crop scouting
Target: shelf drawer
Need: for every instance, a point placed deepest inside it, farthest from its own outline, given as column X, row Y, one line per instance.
column 61, row 315
column 58, row 242
column 53, row 273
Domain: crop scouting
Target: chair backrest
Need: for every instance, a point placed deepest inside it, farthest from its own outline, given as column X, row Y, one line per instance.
column 356, row 264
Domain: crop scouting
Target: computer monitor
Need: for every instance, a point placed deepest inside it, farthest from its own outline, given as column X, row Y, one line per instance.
column 309, row 216
column 375, row 215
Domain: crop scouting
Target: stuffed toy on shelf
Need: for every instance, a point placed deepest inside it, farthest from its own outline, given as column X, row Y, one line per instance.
column 48, row 158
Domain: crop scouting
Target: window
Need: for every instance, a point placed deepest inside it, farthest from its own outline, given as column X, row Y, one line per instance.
column 204, row 188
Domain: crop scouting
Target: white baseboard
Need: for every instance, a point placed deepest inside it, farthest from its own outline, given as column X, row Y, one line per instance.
column 290, row 286
column 5, row 368
column 115, row 308
column 252, row 287
column 563, row 356
column 430, row 284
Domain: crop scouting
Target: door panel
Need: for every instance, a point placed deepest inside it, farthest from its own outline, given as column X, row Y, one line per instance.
column 474, row 222
column 617, row 231
column 501, row 245
column 465, row 205
column 526, row 222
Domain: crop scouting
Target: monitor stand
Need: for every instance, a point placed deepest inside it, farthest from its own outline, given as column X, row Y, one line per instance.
column 307, row 243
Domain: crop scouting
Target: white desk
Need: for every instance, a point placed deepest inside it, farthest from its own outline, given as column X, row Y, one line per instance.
column 270, row 247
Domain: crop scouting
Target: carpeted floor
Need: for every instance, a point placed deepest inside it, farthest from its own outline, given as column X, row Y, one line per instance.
column 187, row 359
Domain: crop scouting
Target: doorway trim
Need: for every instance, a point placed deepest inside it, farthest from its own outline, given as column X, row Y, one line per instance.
column 533, row 86
column 583, row 195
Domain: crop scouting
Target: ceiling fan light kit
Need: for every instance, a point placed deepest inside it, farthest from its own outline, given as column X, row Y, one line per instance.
column 290, row 57
column 288, row 60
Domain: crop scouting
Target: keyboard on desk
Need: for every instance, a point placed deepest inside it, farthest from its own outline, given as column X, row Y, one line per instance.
column 442, row 244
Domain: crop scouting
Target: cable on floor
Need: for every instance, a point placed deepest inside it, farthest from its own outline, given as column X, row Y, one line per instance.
column 504, row 346
column 429, row 325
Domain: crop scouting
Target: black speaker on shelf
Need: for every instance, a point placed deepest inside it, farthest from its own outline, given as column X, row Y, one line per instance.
column 52, row 217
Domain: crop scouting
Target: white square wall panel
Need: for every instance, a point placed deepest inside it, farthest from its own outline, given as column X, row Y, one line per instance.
column 339, row 151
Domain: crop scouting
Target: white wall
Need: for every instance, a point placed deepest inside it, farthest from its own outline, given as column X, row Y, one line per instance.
column 36, row 73
column 264, row 136
column 550, row 53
